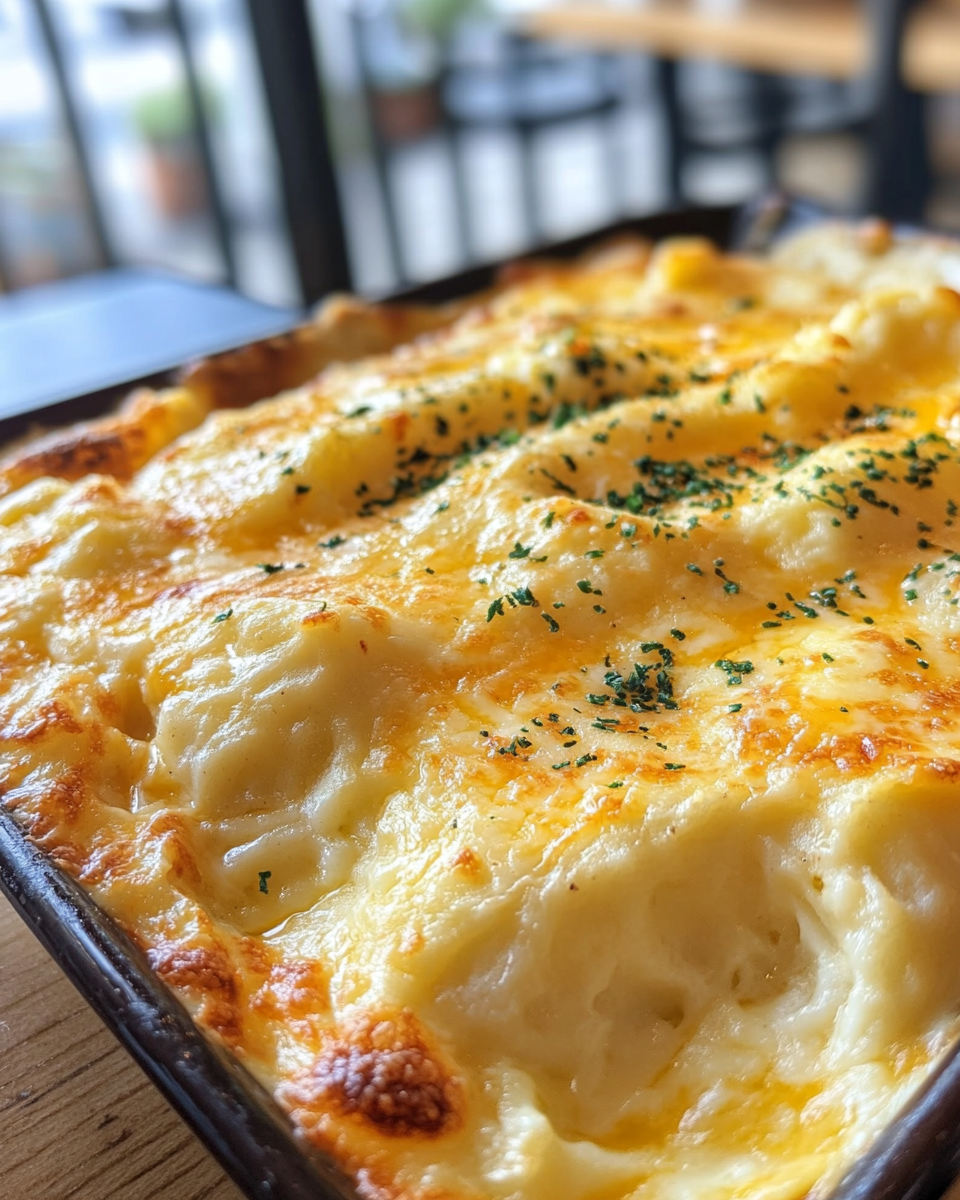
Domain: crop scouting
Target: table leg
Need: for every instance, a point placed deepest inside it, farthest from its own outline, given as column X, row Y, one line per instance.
column 899, row 176
column 667, row 85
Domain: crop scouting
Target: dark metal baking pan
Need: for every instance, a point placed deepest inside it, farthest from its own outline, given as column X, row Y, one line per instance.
column 916, row 1158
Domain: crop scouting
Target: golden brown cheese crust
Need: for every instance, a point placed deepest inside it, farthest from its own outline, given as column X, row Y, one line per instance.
column 528, row 741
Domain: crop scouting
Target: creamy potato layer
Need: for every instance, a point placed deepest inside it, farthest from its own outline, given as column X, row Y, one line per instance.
column 532, row 748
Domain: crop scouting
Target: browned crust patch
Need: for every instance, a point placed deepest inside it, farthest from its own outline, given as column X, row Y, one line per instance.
column 382, row 1071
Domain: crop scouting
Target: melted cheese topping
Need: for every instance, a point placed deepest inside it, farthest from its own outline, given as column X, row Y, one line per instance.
column 534, row 750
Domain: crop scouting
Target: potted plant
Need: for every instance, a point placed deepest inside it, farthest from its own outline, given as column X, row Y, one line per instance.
column 403, row 47
column 166, row 123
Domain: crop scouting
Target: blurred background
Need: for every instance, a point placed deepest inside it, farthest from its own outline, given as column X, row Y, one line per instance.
column 287, row 147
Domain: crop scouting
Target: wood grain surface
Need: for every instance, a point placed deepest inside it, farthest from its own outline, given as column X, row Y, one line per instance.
column 794, row 37
column 78, row 1118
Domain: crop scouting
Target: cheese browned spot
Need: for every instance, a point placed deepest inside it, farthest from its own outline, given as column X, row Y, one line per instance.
column 381, row 1069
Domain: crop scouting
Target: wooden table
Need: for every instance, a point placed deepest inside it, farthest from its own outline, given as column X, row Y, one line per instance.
column 829, row 38
column 78, row 1118
column 901, row 47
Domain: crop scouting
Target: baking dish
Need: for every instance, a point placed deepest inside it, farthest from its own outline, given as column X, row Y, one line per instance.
column 230, row 1112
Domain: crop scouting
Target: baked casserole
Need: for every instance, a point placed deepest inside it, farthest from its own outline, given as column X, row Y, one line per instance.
column 528, row 738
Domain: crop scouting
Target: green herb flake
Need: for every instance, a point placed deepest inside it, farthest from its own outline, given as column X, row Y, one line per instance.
column 519, row 551
column 584, row 759
column 228, row 613
column 678, row 634
column 674, row 766
column 270, row 568
column 560, row 766
column 554, row 627
column 734, row 707
column 264, row 876
column 733, row 670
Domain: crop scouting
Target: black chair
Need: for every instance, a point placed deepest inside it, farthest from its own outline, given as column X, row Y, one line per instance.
column 488, row 80
column 888, row 115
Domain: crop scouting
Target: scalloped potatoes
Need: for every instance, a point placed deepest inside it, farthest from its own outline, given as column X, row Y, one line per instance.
column 533, row 749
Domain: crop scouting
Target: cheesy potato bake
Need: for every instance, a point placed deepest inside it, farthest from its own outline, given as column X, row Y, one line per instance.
column 529, row 740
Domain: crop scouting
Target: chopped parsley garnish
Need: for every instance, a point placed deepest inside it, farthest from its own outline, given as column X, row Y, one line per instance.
column 593, row 554
column 520, row 743
column 332, row 543
column 264, row 876
column 561, row 765
column 270, row 568
column 525, row 598
column 678, row 634
column 495, row 609
column 584, row 759
column 674, row 766
column 734, row 671
column 519, row 551
column 554, row 627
